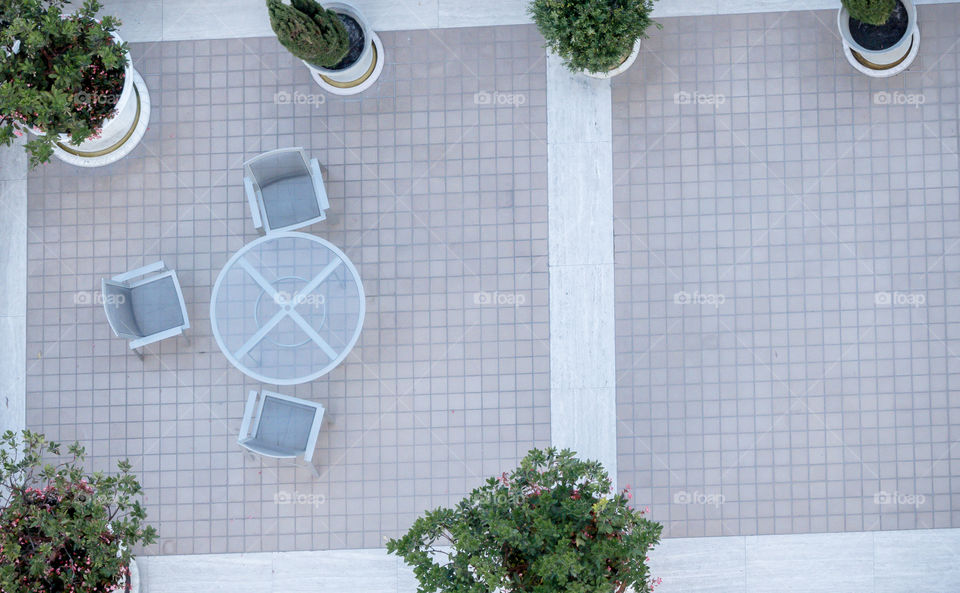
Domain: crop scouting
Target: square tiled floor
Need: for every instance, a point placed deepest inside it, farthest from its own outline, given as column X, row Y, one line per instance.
column 438, row 196
column 787, row 269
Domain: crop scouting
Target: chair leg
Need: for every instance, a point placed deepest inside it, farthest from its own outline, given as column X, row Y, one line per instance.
column 313, row 468
column 187, row 338
column 138, row 353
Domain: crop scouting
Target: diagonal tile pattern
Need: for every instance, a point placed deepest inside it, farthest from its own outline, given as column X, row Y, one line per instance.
column 437, row 185
column 787, row 259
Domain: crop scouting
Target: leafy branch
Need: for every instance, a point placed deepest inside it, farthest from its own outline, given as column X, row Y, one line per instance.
column 552, row 525
column 59, row 74
column 62, row 528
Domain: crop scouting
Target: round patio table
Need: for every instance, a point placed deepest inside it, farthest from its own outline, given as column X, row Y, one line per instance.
column 287, row 308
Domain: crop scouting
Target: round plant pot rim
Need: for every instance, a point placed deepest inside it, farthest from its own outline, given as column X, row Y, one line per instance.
column 140, row 102
column 359, row 84
column 624, row 65
column 353, row 12
column 856, row 61
column 843, row 23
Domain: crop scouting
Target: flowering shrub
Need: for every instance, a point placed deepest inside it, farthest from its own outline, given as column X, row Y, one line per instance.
column 61, row 74
column 553, row 525
column 62, row 530
column 592, row 35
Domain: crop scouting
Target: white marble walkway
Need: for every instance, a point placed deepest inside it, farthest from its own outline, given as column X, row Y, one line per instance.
column 13, row 288
column 880, row 561
column 170, row 20
column 583, row 397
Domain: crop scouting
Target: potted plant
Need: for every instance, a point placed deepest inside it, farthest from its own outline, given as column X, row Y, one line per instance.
column 69, row 80
column 880, row 37
column 600, row 38
column 343, row 54
column 553, row 524
column 62, row 529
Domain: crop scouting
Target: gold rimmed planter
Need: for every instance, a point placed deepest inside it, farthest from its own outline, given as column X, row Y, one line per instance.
column 886, row 62
column 120, row 133
column 624, row 65
column 364, row 72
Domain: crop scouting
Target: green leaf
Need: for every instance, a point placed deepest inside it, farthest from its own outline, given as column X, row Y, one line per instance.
column 527, row 531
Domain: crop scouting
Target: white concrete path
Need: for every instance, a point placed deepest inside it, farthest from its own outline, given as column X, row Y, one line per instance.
column 881, row 562
column 13, row 288
column 170, row 20
column 583, row 397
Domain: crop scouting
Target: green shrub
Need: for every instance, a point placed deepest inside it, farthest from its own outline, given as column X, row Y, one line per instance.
column 62, row 529
column 592, row 35
column 872, row 12
column 553, row 525
column 60, row 74
column 309, row 31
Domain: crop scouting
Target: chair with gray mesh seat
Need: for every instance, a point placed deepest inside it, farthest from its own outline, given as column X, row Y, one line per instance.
column 281, row 426
column 285, row 190
column 145, row 305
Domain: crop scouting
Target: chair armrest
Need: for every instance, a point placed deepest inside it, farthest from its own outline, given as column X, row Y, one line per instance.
column 247, row 416
column 267, row 451
column 251, row 192
column 143, row 271
column 121, row 332
column 314, row 433
column 318, row 185
column 139, row 343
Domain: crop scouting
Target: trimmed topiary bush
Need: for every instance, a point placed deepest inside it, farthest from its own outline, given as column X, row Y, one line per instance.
column 309, row 31
column 553, row 525
column 592, row 35
column 63, row 530
column 60, row 74
column 872, row 12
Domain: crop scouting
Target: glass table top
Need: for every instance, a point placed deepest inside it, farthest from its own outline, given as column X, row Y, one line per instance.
column 287, row 308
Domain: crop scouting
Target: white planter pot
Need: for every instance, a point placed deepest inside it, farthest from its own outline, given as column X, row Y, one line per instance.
column 885, row 62
column 360, row 75
column 622, row 67
column 120, row 133
column 134, row 578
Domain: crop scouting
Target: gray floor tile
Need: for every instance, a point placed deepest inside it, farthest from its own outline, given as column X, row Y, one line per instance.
column 438, row 195
column 786, row 242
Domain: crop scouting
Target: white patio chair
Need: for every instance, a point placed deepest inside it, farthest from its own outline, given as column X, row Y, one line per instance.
column 145, row 305
column 281, row 427
column 285, row 190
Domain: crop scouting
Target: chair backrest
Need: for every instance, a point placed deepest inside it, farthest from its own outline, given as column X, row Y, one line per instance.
column 118, row 304
column 277, row 165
